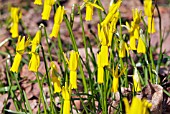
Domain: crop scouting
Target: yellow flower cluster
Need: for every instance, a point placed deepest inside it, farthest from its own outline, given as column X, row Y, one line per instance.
column 105, row 32
column 134, row 31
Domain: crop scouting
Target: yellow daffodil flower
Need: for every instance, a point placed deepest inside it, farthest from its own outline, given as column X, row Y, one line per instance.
column 34, row 62
column 115, row 83
column 103, row 36
column 57, row 21
column 19, row 51
column 136, row 81
column 112, row 10
column 38, row 2
column 36, row 40
column 151, row 25
column 15, row 20
column 141, row 46
column 138, row 106
column 47, row 9
column 136, row 16
column 66, row 93
column 123, row 49
column 148, row 8
column 55, row 78
column 73, row 67
column 72, row 64
column 16, row 62
column 112, row 27
column 100, row 71
column 89, row 9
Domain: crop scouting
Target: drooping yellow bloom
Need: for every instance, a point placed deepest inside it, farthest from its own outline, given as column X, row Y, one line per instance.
column 66, row 93
column 123, row 48
column 34, row 62
column 57, row 21
column 138, row 106
column 112, row 10
column 100, row 70
column 151, row 25
column 136, row 81
column 73, row 62
column 89, row 9
column 38, row 2
column 47, row 9
column 112, row 27
column 148, row 9
column 35, row 58
column 15, row 20
column 115, row 83
column 103, row 36
column 19, row 51
column 36, row 41
column 16, row 62
column 141, row 46
column 55, row 78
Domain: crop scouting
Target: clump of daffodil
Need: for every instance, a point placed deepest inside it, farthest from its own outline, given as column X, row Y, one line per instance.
column 15, row 19
column 66, row 93
column 89, row 9
column 38, row 2
column 112, row 10
column 136, row 81
column 47, row 9
column 134, row 28
column 57, row 21
column 115, row 83
column 72, row 64
column 123, row 48
column 19, row 51
column 137, row 106
column 148, row 10
column 55, row 78
column 35, row 58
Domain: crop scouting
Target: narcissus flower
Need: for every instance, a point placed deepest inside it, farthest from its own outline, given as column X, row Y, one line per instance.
column 89, row 9
column 123, row 48
column 141, row 46
column 100, row 70
column 55, row 78
column 112, row 27
column 19, row 51
column 15, row 20
column 151, row 25
column 72, row 64
column 47, row 9
column 115, row 83
column 138, row 106
column 57, row 21
column 148, row 9
column 16, row 62
column 112, row 10
column 38, row 2
column 34, row 62
column 66, row 93
column 36, row 41
column 136, row 81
